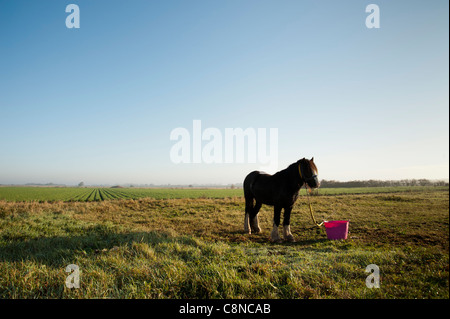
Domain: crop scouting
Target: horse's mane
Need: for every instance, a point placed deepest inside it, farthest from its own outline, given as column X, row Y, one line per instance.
column 313, row 166
column 293, row 166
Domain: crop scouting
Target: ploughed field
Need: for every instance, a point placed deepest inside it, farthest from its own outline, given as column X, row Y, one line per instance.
column 189, row 243
column 87, row 194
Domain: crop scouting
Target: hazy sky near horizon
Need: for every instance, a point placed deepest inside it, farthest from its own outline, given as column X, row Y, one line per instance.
column 98, row 104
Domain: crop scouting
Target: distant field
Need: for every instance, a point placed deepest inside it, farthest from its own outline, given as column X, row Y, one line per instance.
column 19, row 194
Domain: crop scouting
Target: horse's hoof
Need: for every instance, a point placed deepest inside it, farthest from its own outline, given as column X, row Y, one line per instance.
column 256, row 230
column 290, row 239
column 275, row 240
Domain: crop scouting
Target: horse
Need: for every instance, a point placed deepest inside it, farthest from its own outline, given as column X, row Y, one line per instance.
column 279, row 190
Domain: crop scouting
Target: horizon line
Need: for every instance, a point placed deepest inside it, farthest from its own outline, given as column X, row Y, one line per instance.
column 136, row 185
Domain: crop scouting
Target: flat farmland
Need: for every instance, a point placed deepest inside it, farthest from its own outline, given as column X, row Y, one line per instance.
column 189, row 243
column 51, row 194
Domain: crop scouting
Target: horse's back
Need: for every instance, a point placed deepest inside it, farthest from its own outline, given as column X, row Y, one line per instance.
column 251, row 179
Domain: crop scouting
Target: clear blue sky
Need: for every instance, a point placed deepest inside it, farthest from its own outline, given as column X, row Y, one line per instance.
column 97, row 104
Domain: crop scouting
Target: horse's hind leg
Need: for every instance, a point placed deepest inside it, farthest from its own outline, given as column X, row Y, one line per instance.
column 254, row 223
column 248, row 211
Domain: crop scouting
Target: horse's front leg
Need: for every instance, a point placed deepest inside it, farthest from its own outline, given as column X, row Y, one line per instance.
column 274, row 236
column 286, row 225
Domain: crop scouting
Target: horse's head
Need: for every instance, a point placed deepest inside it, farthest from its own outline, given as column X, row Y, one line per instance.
column 308, row 172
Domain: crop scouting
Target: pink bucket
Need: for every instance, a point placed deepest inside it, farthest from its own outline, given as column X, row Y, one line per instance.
column 337, row 229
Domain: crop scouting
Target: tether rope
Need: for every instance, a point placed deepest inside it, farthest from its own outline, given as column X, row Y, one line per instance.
column 309, row 202
column 310, row 209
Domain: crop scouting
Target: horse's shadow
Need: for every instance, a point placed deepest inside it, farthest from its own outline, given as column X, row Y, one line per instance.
column 60, row 251
column 264, row 238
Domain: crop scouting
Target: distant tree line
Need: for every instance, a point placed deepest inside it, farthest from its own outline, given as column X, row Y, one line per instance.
column 377, row 183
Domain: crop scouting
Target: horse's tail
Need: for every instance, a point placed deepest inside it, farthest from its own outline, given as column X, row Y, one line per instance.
column 249, row 181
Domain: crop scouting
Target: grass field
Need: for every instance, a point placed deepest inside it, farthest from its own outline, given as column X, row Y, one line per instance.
column 98, row 194
column 51, row 194
column 189, row 244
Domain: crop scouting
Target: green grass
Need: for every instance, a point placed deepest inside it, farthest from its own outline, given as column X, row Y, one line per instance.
column 18, row 194
column 51, row 194
column 195, row 248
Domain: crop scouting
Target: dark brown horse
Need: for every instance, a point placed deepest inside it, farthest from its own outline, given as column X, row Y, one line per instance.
column 280, row 191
